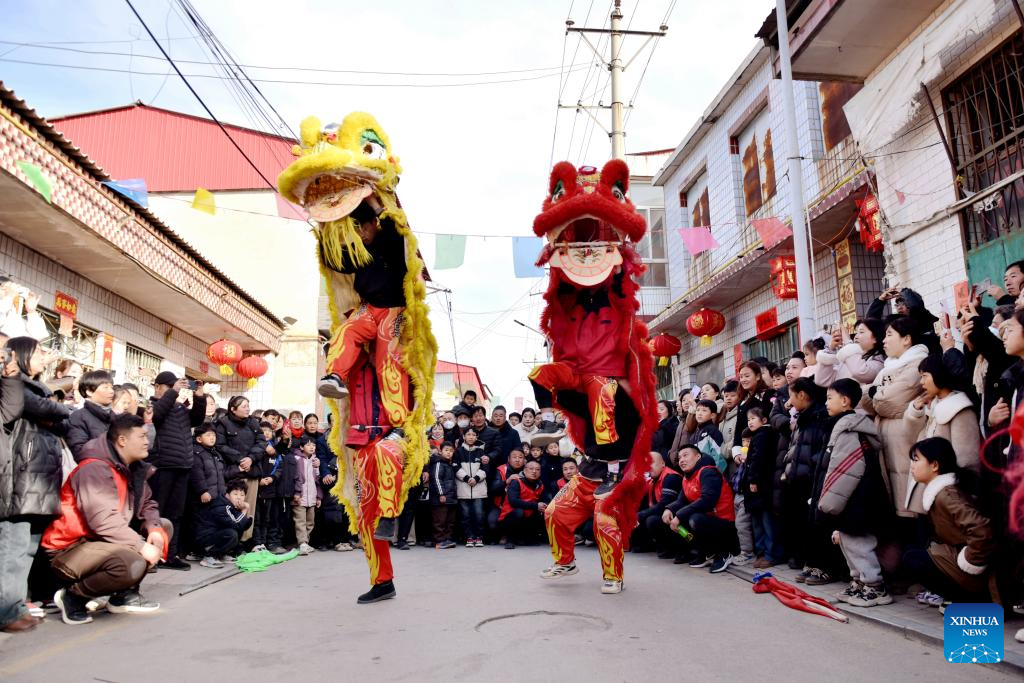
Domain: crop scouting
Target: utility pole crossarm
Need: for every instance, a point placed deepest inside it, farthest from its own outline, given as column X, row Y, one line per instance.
column 617, row 31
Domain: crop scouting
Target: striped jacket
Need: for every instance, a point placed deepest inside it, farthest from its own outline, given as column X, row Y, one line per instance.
column 853, row 492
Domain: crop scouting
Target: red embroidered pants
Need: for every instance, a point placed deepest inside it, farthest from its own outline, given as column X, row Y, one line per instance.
column 574, row 505
column 379, row 478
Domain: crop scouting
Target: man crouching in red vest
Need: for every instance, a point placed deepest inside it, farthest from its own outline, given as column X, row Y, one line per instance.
column 704, row 507
column 92, row 545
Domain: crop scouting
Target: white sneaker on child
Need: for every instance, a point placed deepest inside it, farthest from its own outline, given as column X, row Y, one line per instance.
column 259, row 548
column 306, row 549
column 743, row 559
column 211, row 563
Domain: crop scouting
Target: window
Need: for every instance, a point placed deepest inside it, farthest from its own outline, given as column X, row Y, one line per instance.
column 985, row 117
column 777, row 349
column 652, row 249
column 141, row 368
column 80, row 346
column 663, row 382
column 755, row 145
column 708, row 371
column 734, row 145
column 700, row 216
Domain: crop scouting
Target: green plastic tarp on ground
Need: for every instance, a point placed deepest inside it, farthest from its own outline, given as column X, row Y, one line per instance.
column 259, row 562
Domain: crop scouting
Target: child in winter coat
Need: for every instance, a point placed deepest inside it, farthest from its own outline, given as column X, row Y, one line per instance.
column 956, row 563
column 852, row 497
column 757, row 488
column 943, row 410
column 306, row 493
column 269, row 510
column 221, row 523
column 551, row 466
column 471, row 487
column 443, row 495
column 744, row 527
column 707, row 436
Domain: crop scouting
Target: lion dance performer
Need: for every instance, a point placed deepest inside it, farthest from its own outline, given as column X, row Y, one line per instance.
column 602, row 373
column 382, row 354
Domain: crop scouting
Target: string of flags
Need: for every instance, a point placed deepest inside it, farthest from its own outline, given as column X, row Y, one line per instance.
column 699, row 239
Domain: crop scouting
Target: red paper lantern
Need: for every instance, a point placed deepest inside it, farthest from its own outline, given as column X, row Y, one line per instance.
column 224, row 353
column 870, row 222
column 664, row 346
column 783, row 276
column 705, row 324
column 252, row 368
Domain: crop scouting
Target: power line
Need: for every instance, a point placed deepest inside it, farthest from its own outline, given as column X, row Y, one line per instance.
column 282, row 81
column 200, row 99
column 269, row 67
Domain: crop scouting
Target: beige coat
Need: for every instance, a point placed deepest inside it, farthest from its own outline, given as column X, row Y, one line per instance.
column 896, row 386
column 953, row 418
column 964, row 544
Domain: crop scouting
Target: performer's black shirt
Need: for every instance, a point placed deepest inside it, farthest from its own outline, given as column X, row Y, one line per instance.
column 380, row 283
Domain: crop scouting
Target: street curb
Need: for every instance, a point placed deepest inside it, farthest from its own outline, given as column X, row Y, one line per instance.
column 1011, row 660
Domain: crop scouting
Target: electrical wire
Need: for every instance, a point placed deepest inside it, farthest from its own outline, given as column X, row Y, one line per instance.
column 200, row 99
column 268, row 67
column 80, row 67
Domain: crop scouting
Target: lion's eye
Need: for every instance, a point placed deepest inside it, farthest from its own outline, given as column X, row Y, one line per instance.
column 374, row 150
column 618, row 193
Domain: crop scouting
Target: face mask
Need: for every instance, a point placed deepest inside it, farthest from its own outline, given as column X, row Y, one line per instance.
column 463, row 424
column 995, row 331
column 447, row 424
column 549, row 417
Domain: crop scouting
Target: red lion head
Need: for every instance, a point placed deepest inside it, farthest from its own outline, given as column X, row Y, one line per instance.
column 589, row 222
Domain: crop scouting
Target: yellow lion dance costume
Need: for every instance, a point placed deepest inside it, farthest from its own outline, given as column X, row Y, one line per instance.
column 382, row 353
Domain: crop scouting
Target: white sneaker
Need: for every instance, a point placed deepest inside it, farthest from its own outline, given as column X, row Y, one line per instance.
column 610, row 587
column 259, row 548
column 306, row 549
column 743, row 559
column 343, row 547
column 192, row 557
column 211, row 562
column 1019, row 636
column 557, row 571
column 96, row 604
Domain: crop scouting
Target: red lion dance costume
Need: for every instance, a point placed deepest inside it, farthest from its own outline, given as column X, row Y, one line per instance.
column 382, row 354
column 602, row 374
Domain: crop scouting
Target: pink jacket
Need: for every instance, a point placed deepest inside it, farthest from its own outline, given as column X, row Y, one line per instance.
column 306, row 487
column 847, row 363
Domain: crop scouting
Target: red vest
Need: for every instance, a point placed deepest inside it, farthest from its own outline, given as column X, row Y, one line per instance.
column 654, row 487
column 70, row 527
column 723, row 508
column 526, row 493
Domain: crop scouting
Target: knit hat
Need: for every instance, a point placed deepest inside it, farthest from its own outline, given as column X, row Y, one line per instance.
column 166, row 377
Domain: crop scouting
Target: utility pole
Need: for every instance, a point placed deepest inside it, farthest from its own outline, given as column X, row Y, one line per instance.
column 616, row 67
column 805, row 295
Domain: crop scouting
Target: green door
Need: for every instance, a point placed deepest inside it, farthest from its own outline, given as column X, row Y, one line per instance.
column 990, row 259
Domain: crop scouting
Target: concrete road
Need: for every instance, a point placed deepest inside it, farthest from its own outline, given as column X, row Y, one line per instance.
column 479, row 614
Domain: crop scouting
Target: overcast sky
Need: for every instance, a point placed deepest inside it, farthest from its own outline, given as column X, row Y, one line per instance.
column 476, row 158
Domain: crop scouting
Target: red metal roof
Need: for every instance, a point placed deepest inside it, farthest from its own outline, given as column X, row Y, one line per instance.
column 464, row 375
column 175, row 152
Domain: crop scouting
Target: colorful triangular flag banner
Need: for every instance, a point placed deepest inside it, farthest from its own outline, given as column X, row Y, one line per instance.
column 133, row 188
column 203, row 201
column 524, row 256
column 449, row 252
column 900, row 197
column 771, row 230
column 38, row 180
column 285, row 209
column 698, row 240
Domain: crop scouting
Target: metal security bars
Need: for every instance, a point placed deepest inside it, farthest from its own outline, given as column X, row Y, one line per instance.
column 985, row 116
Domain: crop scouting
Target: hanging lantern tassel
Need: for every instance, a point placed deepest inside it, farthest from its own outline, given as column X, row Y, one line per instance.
column 224, row 352
column 252, row 382
column 664, row 346
column 663, row 361
column 705, row 340
column 226, row 371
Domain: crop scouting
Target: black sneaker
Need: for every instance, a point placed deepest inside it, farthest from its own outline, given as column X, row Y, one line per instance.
column 176, row 563
column 386, row 529
column 700, row 562
column 72, row 607
column 817, row 577
column 510, row 546
column 332, row 386
column 131, row 602
column 721, row 564
column 380, row 591
column 605, row 488
column 403, row 545
column 802, row 576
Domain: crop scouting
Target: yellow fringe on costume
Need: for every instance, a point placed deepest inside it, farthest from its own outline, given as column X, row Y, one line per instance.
column 417, row 341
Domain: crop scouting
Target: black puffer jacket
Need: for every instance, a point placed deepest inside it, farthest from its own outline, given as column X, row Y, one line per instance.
column 174, row 423
column 807, row 445
column 207, row 475
column 36, row 462
column 85, row 424
column 12, row 401
column 241, row 439
column 664, row 435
